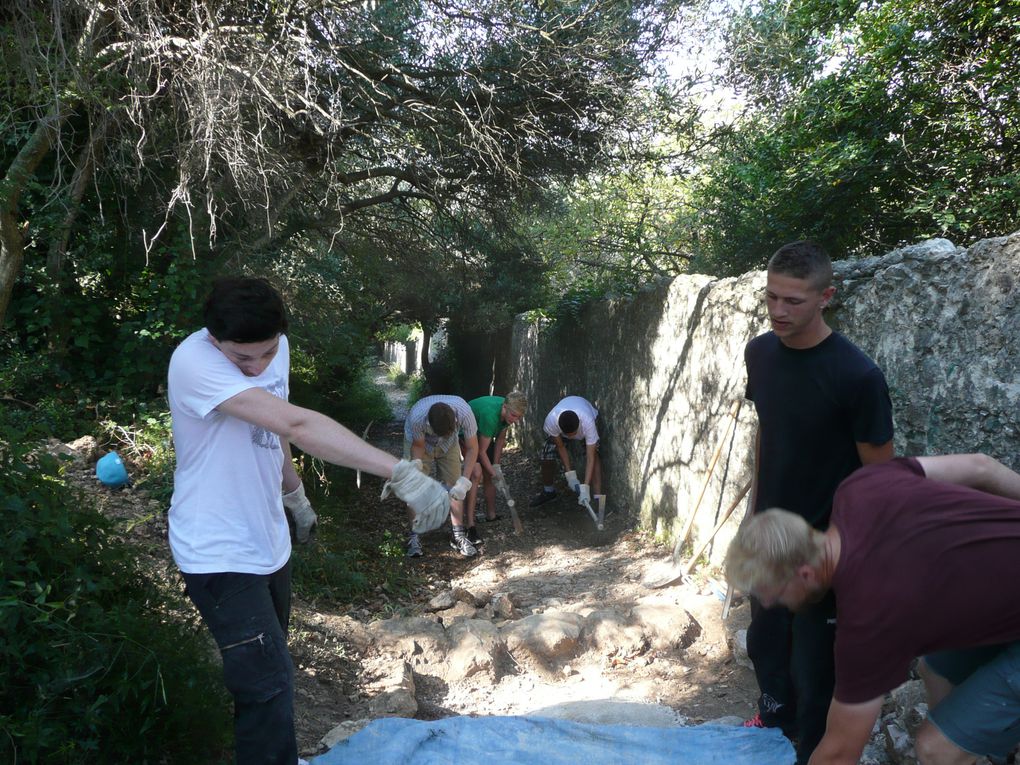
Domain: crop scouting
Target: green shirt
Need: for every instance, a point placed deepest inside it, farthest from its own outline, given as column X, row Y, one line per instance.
column 487, row 411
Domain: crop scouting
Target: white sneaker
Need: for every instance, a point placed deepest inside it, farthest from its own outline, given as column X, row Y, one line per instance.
column 414, row 546
column 463, row 545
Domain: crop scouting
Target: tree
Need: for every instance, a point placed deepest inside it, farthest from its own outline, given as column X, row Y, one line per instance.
column 877, row 124
column 254, row 125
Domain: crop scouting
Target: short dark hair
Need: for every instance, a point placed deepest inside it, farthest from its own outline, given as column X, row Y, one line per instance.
column 804, row 259
column 442, row 419
column 244, row 310
column 568, row 421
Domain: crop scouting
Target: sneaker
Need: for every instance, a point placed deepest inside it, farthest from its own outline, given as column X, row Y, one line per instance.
column 474, row 538
column 414, row 546
column 542, row 497
column 754, row 722
column 463, row 545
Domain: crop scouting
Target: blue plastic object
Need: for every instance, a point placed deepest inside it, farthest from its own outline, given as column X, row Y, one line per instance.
column 546, row 741
column 111, row 472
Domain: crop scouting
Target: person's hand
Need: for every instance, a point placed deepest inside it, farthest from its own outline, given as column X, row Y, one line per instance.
column 461, row 488
column 572, row 482
column 427, row 498
column 583, row 494
column 497, row 472
column 302, row 513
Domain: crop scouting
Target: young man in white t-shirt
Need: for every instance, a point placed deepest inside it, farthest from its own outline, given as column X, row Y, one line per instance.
column 233, row 426
column 572, row 419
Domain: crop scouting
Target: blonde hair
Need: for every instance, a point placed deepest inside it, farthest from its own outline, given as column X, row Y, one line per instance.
column 516, row 402
column 769, row 548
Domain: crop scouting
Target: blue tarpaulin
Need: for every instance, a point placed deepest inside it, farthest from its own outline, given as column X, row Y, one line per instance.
column 547, row 741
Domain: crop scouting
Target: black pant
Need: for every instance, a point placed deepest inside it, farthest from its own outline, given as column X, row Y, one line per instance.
column 248, row 614
column 793, row 662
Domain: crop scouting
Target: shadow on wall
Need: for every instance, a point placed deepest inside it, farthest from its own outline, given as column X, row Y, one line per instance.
column 664, row 367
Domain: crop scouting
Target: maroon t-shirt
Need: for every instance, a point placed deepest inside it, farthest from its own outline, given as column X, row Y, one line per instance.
column 924, row 566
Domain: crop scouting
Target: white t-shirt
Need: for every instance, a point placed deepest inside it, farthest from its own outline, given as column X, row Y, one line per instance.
column 586, row 415
column 416, row 426
column 226, row 513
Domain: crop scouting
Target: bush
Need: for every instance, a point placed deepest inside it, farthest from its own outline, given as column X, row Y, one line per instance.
column 94, row 666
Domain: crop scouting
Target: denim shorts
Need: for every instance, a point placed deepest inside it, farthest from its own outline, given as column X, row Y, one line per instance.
column 982, row 713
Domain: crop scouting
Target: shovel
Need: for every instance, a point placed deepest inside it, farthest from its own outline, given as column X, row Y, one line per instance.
column 677, row 573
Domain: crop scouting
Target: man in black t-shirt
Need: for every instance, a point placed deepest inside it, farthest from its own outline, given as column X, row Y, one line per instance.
column 823, row 410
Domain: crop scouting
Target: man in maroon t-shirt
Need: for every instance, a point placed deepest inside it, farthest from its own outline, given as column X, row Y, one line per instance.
column 923, row 555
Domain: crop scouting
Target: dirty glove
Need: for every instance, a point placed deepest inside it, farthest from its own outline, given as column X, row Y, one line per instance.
column 497, row 472
column 583, row 494
column 301, row 510
column 427, row 498
column 461, row 488
column 572, row 482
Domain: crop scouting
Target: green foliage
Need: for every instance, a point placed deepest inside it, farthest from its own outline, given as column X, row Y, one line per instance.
column 347, row 562
column 91, row 670
column 147, row 443
column 417, row 388
column 879, row 124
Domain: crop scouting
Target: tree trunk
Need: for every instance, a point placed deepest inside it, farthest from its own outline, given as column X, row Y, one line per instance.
column 19, row 173
column 84, row 170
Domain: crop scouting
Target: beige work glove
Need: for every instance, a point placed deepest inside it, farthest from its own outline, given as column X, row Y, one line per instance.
column 572, row 482
column 302, row 513
column 461, row 488
column 427, row 498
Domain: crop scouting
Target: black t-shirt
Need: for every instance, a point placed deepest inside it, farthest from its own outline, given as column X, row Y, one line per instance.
column 814, row 405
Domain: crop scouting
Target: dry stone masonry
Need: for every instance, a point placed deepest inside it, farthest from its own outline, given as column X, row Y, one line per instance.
column 664, row 367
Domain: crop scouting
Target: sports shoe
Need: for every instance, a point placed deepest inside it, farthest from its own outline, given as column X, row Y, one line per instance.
column 414, row 546
column 542, row 497
column 473, row 537
column 754, row 722
column 463, row 545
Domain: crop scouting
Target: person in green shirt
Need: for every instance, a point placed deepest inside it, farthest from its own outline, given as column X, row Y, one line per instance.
column 495, row 415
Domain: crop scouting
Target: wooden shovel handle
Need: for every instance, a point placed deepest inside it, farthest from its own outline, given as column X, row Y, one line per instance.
column 682, row 539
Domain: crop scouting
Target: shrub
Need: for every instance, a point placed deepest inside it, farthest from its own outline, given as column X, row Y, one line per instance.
column 94, row 665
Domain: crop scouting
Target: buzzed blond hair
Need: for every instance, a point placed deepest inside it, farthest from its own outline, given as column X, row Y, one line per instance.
column 769, row 548
column 516, row 402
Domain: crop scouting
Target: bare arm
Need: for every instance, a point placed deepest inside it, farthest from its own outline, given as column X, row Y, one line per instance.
column 483, row 454
column 310, row 431
column 978, row 471
column 869, row 453
column 847, row 730
column 418, row 449
column 470, row 454
column 500, row 444
column 562, row 451
column 291, row 480
column 589, row 463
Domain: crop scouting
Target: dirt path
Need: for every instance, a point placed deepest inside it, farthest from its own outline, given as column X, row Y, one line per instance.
column 560, row 562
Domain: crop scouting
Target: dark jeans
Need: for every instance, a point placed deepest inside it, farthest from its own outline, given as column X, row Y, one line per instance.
column 794, row 665
column 248, row 615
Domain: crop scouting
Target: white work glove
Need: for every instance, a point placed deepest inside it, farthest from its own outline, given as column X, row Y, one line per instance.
column 461, row 488
column 427, row 498
column 584, row 494
column 301, row 510
column 497, row 472
column 572, row 482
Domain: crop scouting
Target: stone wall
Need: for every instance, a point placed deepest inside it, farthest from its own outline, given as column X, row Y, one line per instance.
column 665, row 366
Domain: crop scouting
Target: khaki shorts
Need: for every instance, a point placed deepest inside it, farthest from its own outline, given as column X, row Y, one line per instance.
column 446, row 464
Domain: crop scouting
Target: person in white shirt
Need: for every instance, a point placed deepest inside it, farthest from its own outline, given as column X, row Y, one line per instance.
column 232, row 427
column 572, row 420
